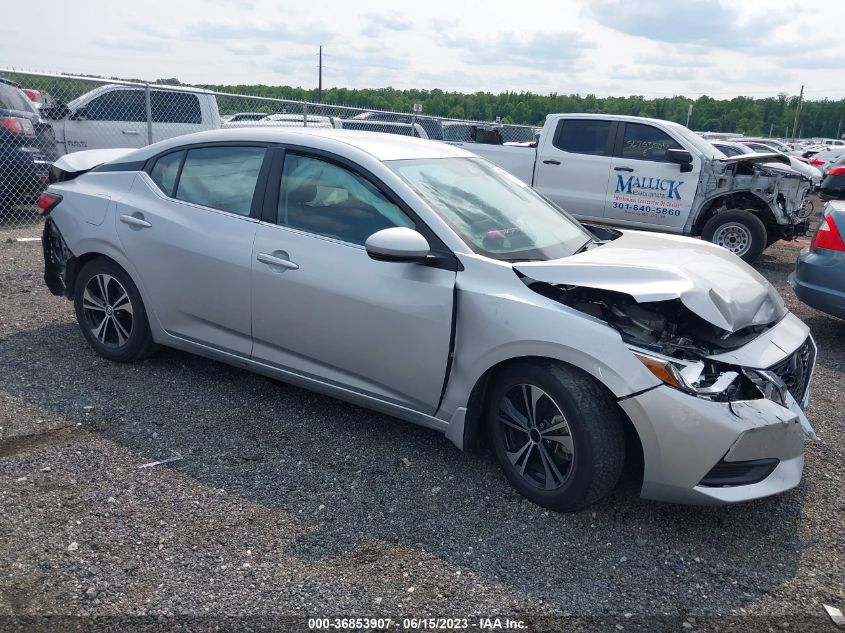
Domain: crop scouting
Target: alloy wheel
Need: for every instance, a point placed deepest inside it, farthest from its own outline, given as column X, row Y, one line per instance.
column 108, row 310
column 537, row 438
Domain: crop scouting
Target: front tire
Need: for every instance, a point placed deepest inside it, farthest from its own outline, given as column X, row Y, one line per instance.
column 110, row 312
column 557, row 433
column 739, row 231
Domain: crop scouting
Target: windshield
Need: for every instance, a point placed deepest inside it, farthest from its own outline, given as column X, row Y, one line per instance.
column 703, row 146
column 494, row 213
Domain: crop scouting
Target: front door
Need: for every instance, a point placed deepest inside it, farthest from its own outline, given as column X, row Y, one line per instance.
column 324, row 309
column 116, row 118
column 191, row 242
column 646, row 190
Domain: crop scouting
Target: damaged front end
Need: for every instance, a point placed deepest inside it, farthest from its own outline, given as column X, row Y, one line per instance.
column 687, row 352
column 761, row 177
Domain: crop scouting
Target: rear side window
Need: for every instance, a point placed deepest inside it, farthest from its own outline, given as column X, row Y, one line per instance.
column 118, row 105
column 221, row 177
column 175, row 107
column 165, row 170
column 326, row 199
column 13, row 99
column 583, row 136
column 646, row 142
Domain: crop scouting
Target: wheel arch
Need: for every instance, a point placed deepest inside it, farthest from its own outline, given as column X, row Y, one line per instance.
column 475, row 433
column 735, row 201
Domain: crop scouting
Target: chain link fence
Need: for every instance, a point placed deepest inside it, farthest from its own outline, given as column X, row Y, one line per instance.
column 45, row 116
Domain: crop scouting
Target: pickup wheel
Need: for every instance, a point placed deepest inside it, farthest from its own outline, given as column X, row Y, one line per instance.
column 557, row 433
column 739, row 231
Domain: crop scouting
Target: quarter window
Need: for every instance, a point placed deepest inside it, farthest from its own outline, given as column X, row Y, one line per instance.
column 646, row 142
column 583, row 136
column 221, row 177
column 323, row 198
column 165, row 170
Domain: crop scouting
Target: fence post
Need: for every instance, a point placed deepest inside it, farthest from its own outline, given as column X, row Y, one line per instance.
column 149, row 114
column 304, row 114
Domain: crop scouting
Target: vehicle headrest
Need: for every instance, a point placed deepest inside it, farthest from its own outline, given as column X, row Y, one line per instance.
column 303, row 193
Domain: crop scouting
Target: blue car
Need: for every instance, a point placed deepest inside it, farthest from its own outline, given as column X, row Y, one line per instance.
column 819, row 277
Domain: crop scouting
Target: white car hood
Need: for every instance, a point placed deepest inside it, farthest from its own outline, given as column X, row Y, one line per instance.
column 712, row 282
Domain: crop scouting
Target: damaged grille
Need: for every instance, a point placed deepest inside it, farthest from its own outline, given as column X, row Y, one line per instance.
column 796, row 369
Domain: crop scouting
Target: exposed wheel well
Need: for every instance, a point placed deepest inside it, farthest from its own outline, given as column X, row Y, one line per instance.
column 743, row 201
column 75, row 264
column 475, row 433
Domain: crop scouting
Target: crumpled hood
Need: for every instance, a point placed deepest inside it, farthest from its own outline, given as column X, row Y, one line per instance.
column 710, row 281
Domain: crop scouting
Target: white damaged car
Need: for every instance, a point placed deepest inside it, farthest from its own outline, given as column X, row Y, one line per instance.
column 416, row 279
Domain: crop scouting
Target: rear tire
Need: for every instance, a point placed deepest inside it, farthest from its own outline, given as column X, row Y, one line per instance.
column 738, row 231
column 110, row 312
column 557, row 433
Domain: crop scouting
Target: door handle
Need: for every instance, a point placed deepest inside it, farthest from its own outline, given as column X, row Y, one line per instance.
column 551, row 161
column 266, row 258
column 131, row 220
column 131, row 132
column 622, row 169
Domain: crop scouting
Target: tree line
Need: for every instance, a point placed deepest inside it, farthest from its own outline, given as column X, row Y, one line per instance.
column 744, row 115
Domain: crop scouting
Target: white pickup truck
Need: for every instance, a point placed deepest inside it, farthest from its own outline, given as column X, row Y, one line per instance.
column 657, row 175
column 116, row 115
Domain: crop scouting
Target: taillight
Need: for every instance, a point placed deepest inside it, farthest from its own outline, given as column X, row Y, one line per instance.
column 817, row 161
column 827, row 236
column 837, row 171
column 47, row 202
column 17, row 125
column 31, row 93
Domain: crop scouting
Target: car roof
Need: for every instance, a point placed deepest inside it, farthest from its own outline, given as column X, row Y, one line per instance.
column 379, row 145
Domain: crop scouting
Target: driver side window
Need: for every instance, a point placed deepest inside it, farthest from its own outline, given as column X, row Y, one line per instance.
column 320, row 197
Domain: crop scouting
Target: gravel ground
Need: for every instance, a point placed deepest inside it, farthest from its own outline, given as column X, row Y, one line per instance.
column 289, row 503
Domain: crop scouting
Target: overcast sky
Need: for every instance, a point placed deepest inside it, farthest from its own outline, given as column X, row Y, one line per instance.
column 607, row 47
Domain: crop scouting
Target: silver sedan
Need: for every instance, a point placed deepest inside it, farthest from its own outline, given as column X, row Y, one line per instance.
column 417, row 279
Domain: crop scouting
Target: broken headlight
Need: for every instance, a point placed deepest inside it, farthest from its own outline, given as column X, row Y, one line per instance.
column 687, row 376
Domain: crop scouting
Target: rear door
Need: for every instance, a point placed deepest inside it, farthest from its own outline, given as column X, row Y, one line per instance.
column 188, row 227
column 324, row 309
column 116, row 118
column 647, row 190
column 175, row 113
column 573, row 167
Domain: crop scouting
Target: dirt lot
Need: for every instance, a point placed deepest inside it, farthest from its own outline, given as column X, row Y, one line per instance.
column 289, row 503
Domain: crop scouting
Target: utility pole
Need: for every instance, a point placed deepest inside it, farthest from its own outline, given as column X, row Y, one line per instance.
column 798, row 114
column 320, row 78
column 689, row 114
column 771, row 129
column 839, row 128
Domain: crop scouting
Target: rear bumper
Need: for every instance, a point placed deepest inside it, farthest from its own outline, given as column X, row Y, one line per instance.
column 684, row 437
column 819, row 280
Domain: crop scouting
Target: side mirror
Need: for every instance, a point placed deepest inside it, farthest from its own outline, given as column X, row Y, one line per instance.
column 398, row 244
column 79, row 115
column 680, row 156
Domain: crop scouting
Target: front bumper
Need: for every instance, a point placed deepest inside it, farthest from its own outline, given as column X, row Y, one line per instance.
column 684, row 437
column 819, row 280
column 689, row 442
